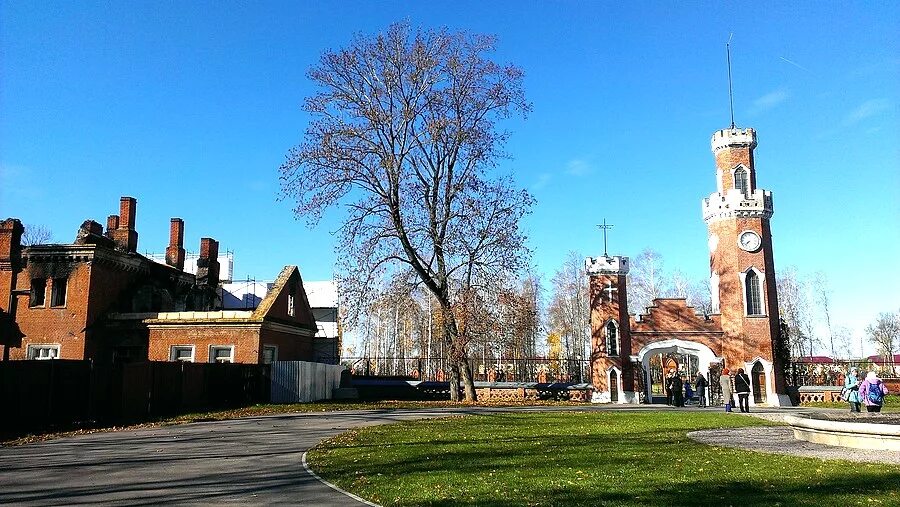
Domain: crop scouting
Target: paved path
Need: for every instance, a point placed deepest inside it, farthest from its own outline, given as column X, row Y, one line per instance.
column 254, row 460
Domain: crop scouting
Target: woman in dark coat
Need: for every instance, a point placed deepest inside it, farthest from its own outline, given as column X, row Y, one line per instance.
column 701, row 385
column 742, row 388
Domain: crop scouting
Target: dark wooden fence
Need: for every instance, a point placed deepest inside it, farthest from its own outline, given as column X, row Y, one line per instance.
column 37, row 395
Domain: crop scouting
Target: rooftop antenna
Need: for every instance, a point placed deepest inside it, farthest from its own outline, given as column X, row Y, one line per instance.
column 730, row 92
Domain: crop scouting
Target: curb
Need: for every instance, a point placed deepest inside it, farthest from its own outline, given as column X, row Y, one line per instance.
column 332, row 486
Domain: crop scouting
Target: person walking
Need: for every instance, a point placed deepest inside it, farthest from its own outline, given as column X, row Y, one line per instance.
column 688, row 393
column 742, row 388
column 851, row 390
column 872, row 392
column 670, row 387
column 701, row 384
column 725, row 384
column 678, row 390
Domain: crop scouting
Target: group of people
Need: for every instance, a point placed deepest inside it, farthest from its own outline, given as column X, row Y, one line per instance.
column 741, row 387
column 869, row 392
column 679, row 390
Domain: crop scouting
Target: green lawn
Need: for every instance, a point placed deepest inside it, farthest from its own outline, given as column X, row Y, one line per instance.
column 596, row 458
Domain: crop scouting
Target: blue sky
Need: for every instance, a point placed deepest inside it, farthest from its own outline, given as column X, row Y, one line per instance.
column 190, row 107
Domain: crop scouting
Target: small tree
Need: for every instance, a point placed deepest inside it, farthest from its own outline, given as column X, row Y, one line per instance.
column 36, row 235
column 885, row 333
column 404, row 132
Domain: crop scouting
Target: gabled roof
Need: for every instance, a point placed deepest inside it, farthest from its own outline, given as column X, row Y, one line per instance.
column 274, row 307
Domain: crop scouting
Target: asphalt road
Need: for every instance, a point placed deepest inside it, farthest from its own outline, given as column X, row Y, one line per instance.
column 254, row 460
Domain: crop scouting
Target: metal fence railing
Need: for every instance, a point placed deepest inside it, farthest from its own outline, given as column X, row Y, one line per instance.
column 531, row 369
column 818, row 373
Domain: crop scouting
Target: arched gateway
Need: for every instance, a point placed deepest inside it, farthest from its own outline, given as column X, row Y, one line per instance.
column 742, row 331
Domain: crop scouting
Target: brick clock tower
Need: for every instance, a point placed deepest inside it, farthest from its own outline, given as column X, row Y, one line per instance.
column 742, row 269
column 628, row 352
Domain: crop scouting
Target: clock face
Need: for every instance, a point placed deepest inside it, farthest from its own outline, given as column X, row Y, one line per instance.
column 749, row 241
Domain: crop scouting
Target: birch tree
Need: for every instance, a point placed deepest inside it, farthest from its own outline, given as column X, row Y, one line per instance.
column 405, row 133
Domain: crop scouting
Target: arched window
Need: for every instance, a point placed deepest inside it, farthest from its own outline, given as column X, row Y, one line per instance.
column 740, row 180
column 612, row 339
column 753, row 293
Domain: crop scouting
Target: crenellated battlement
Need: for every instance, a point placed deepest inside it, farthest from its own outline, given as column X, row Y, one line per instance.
column 733, row 138
column 735, row 204
column 615, row 265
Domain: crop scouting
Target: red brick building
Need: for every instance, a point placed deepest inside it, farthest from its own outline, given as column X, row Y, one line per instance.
column 631, row 353
column 99, row 299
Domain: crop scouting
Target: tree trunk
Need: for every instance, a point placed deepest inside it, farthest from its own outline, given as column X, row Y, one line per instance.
column 454, row 380
column 465, row 370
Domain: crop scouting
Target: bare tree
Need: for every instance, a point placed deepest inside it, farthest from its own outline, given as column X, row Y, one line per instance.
column 822, row 296
column 36, row 235
column 404, row 132
column 885, row 333
column 794, row 308
column 569, row 311
column 647, row 281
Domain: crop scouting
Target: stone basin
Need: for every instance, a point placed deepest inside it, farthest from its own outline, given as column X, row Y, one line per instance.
column 869, row 431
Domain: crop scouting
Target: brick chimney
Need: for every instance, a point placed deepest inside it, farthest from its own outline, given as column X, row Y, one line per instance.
column 175, row 250
column 10, row 245
column 208, row 263
column 112, row 223
column 124, row 235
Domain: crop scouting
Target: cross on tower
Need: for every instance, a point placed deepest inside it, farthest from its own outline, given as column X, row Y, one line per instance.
column 609, row 291
column 604, row 227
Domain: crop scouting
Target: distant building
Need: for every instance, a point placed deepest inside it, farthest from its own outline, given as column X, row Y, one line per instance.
column 226, row 263
column 99, row 299
column 322, row 297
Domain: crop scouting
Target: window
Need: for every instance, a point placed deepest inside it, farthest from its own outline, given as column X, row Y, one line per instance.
column 291, row 305
column 38, row 292
column 43, row 352
column 270, row 354
column 754, row 297
column 221, row 354
column 58, row 292
column 740, row 181
column 612, row 339
column 182, row 353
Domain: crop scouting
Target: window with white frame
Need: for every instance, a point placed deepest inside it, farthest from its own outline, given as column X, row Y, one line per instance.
column 290, row 305
column 38, row 292
column 740, row 180
column 612, row 338
column 753, row 293
column 270, row 354
column 43, row 351
column 181, row 353
column 221, row 354
column 58, row 292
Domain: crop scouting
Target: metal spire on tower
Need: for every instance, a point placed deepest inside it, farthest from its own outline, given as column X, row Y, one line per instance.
column 730, row 93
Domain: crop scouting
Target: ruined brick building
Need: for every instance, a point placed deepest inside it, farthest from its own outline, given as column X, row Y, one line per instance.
column 630, row 354
column 99, row 299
